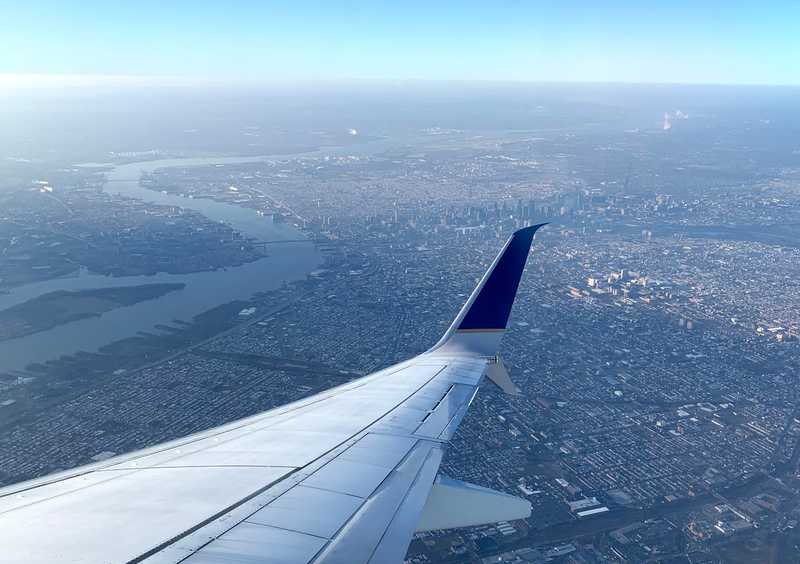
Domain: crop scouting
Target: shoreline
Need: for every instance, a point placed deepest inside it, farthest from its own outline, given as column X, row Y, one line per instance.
column 65, row 378
column 30, row 318
column 204, row 291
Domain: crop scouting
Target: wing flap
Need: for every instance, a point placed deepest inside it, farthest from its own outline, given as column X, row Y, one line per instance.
column 452, row 504
column 249, row 543
column 381, row 531
column 308, row 510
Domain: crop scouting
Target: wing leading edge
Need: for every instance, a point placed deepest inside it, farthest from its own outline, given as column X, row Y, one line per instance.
column 346, row 476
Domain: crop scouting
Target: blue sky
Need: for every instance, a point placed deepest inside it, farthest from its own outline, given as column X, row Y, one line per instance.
column 623, row 41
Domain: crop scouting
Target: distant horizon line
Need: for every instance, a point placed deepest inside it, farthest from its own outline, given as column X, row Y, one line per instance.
column 95, row 79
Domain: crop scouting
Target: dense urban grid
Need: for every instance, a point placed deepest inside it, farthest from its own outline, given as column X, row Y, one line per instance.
column 654, row 338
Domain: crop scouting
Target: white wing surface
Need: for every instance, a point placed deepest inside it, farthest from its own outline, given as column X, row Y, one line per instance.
column 346, row 476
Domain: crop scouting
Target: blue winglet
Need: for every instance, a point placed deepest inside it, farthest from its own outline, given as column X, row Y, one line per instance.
column 492, row 305
column 489, row 306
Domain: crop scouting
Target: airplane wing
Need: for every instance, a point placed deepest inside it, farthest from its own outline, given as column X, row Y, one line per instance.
column 346, row 476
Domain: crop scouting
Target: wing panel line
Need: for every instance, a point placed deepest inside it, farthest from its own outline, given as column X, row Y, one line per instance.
column 200, row 525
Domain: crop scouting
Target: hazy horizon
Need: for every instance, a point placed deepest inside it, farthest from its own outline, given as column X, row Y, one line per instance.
column 94, row 121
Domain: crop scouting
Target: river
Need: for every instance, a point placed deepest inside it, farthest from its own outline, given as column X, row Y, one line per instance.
column 204, row 290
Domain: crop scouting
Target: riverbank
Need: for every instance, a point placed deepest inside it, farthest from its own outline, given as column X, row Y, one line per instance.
column 58, row 308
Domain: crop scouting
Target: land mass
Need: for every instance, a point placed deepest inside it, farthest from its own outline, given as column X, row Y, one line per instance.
column 57, row 308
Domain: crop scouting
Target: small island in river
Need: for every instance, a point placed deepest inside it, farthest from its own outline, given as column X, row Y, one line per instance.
column 57, row 308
